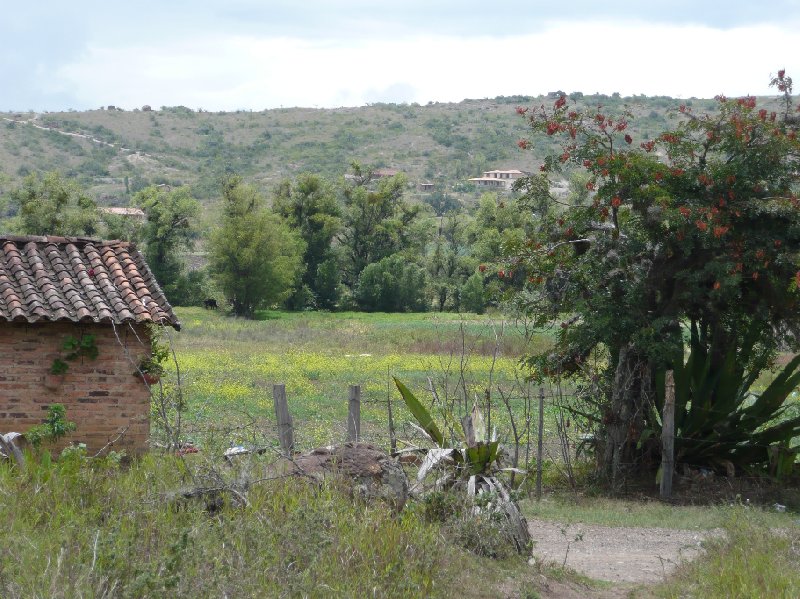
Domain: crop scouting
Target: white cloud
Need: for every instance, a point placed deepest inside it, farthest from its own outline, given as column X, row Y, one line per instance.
column 227, row 72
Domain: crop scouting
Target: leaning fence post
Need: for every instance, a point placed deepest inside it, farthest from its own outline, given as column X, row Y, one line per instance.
column 354, row 414
column 540, row 445
column 284, row 418
column 668, row 436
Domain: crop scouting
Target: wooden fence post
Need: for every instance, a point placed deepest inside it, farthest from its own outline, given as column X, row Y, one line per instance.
column 540, row 445
column 284, row 418
column 668, row 436
column 354, row 414
column 392, row 435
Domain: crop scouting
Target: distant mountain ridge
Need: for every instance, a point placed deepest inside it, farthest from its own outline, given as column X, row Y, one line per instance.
column 112, row 153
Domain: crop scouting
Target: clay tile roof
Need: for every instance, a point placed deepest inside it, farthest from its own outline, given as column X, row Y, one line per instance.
column 77, row 279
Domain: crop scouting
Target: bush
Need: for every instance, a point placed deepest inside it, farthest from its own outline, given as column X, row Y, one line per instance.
column 392, row 285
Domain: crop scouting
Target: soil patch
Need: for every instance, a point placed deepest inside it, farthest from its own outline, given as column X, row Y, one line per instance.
column 616, row 554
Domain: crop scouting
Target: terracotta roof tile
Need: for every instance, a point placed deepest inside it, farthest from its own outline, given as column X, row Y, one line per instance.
column 79, row 280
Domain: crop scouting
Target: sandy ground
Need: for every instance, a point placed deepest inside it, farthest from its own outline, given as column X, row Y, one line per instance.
column 616, row 554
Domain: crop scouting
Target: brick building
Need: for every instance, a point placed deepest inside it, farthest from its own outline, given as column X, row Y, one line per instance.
column 55, row 290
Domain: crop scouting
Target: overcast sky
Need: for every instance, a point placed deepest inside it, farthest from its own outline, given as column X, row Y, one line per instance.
column 256, row 54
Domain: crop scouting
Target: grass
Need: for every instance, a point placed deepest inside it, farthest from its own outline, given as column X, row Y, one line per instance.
column 750, row 561
column 228, row 366
column 606, row 511
column 77, row 529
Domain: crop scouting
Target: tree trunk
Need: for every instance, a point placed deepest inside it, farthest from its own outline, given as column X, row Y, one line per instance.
column 631, row 392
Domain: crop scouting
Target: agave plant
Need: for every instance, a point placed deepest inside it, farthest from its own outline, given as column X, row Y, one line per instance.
column 473, row 462
column 719, row 418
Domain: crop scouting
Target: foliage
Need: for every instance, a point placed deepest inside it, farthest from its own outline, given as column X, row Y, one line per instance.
column 376, row 221
column 719, row 417
column 698, row 225
column 127, row 534
column 393, row 284
column 49, row 205
column 473, row 298
column 53, row 428
column 255, row 258
column 168, row 232
column 74, row 348
column 309, row 205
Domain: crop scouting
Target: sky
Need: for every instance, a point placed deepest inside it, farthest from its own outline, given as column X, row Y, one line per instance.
column 260, row 54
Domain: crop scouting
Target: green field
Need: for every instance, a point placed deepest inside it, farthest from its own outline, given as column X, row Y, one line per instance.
column 228, row 366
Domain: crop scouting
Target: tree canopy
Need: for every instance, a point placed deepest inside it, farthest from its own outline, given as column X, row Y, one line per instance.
column 255, row 256
column 694, row 231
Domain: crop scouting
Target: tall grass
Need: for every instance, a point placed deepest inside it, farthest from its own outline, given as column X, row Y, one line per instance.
column 72, row 529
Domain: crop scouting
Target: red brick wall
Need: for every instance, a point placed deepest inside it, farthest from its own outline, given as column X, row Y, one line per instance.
column 102, row 396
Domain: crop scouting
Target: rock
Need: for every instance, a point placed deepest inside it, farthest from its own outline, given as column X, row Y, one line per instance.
column 373, row 473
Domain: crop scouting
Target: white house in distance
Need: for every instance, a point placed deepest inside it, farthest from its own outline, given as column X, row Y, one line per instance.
column 498, row 179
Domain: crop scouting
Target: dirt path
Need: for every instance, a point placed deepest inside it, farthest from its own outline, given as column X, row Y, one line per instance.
column 616, row 554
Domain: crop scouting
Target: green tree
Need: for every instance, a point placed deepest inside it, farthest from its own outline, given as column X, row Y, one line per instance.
column 376, row 221
column 310, row 207
column 392, row 284
column 473, row 296
column 49, row 205
column 255, row 257
column 168, row 233
column 697, row 230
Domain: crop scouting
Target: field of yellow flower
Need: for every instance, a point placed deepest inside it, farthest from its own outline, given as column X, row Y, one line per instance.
column 228, row 366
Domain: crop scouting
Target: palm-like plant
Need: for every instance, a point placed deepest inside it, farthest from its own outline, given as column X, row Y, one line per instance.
column 719, row 418
column 474, row 462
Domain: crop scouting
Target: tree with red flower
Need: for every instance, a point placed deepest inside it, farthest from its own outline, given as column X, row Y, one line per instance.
column 681, row 252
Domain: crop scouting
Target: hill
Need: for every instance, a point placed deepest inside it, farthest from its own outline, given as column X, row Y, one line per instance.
column 113, row 152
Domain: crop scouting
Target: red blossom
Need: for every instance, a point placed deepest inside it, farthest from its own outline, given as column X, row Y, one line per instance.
column 587, row 163
column 682, row 107
column 482, row 268
column 719, row 231
column 523, row 144
column 686, row 212
column 755, row 276
column 677, row 172
column 615, row 202
column 560, row 102
column 797, row 278
column 717, row 285
column 501, row 273
column 573, row 115
column 781, row 73
column 590, row 186
column 658, row 175
column 521, row 110
column 628, row 139
column 552, row 128
column 648, row 146
column 701, row 225
column 778, row 243
column 564, row 157
column 762, row 114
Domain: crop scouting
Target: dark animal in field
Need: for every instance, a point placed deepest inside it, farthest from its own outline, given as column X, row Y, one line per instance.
column 210, row 304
